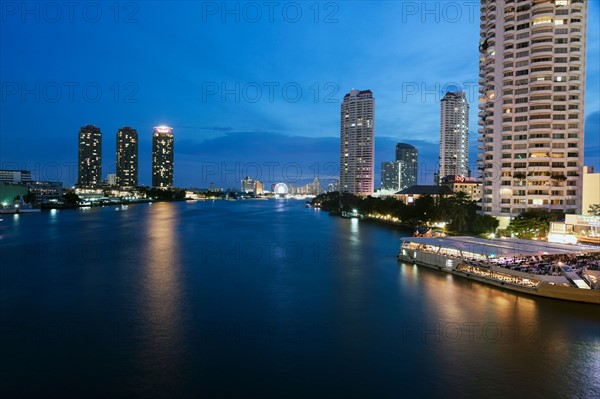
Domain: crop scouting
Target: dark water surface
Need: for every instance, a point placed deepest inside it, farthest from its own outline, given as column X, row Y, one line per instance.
column 265, row 299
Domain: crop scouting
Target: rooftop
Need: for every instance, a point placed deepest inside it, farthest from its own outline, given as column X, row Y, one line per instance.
column 501, row 247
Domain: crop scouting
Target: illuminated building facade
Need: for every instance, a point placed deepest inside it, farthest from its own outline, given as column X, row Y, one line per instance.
column 454, row 135
column 163, row 147
column 357, row 134
column 532, row 85
column 90, row 157
column 250, row 185
column 408, row 157
column 390, row 176
column 127, row 157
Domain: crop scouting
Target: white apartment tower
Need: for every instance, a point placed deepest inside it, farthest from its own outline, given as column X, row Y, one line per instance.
column 532, row 85
column 454, row 135
column 357, row 131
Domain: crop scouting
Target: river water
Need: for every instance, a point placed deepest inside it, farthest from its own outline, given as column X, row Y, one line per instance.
column 265, row 299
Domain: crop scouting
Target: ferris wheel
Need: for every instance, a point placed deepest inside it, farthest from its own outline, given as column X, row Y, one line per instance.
column 281, row 189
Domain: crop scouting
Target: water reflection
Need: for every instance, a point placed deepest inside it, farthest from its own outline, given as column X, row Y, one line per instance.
column 463, row 317
column 354, row 231
column 162, row 292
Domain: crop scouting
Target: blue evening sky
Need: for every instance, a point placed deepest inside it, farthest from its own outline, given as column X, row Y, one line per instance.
column 248, row 87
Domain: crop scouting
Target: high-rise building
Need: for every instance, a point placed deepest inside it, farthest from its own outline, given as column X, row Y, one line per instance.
column 408, row 157
column 90, row 157
column 391, row 176
column 357, row 138
column 454, row 135
column 532, row 85
column 248, row 185
column 127, row 157
column 163, row 147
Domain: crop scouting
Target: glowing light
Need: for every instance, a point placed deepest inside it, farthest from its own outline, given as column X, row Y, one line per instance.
column 163, row 129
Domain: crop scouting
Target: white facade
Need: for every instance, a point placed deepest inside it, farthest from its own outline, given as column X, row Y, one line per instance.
column 357, row 131
column 532, row 85
column 591, row 189
column 454, row 135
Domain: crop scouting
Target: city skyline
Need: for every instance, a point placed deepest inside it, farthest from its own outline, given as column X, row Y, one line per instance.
column 215, row 130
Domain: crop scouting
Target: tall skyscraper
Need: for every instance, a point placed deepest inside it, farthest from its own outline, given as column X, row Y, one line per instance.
column 163, row 147
column 532, row 81
column 454, row 135
column 408, row 157
column 357, row 142
column 127, row 157
column 391, row 176
column 90, row 157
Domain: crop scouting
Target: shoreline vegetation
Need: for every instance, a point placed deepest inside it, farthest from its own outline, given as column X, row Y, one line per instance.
column 440, row 215
column 454, row 214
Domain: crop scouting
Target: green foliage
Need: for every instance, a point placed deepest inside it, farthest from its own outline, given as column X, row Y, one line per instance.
column 594, row 210
column 30, row 198
column 558, row 177
column 71, row 198
column 457, row 210
column 484, row 224
column 533, row 224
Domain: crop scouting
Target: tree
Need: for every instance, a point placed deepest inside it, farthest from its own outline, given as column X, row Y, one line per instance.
column 30, row 198
column 594, row 210
column 459, row 210
column 483, row 224
column 71, row 198
column 533, row 224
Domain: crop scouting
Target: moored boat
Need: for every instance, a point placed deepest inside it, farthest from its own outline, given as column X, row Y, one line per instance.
column 538, row 268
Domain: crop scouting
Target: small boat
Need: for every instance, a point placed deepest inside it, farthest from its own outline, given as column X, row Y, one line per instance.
column 351, row 215
column 20, row 206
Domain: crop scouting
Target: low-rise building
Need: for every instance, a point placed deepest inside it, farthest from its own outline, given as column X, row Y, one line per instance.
column 575, row 229
column 15, row 176
column 467, row 185
column 46, row 191
column 590, row 190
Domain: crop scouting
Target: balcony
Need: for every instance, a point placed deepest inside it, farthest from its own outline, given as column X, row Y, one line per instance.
column 576, row 12
column 541, row 10
column 539, row 32
column 540, row 89
column 542, row 50
column 542, row 61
